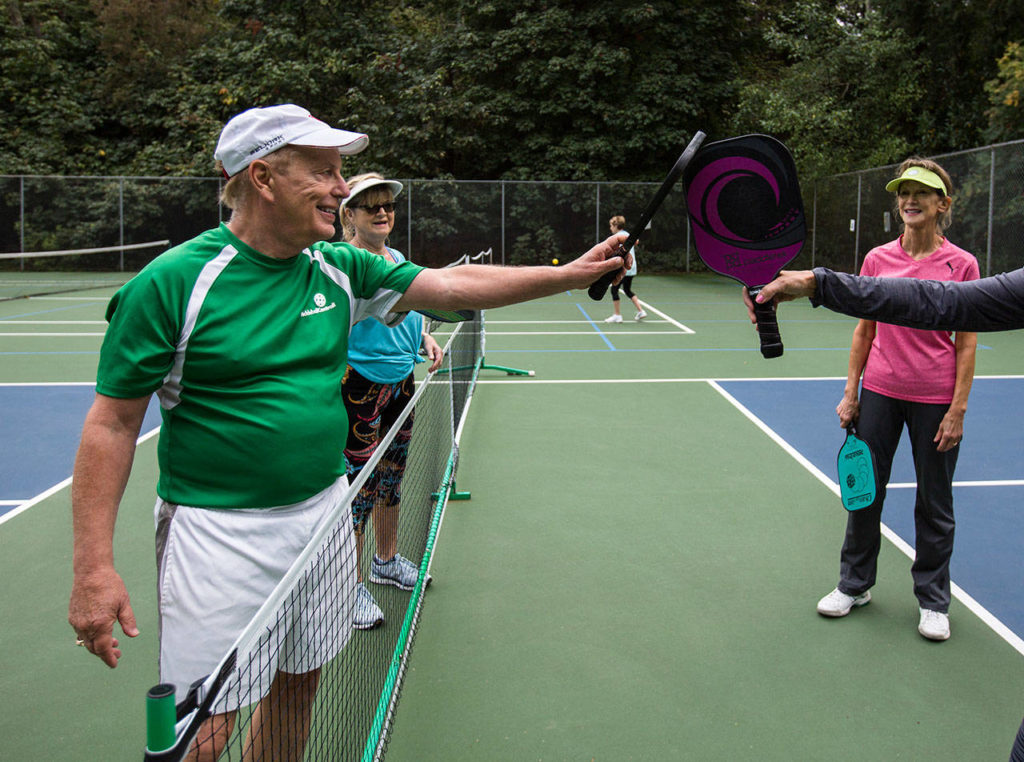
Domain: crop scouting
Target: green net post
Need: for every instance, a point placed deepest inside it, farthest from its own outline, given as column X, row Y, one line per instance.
column 161, row 717
column 453, row 493
column 508, row 371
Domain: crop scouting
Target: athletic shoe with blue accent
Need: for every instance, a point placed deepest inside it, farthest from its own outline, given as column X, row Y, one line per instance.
column 399, row 571
column 367, row 614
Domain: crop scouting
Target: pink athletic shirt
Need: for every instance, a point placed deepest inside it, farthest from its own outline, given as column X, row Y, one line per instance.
column 910, row 363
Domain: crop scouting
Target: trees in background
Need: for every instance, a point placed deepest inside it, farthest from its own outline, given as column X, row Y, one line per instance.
column 836, row 84
column 527, row 89
column 1006, row 96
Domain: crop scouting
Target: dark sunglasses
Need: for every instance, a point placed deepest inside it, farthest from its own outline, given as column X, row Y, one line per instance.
column 389, row 207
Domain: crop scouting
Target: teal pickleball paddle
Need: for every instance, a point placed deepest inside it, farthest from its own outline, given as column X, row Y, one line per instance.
column 856, row 467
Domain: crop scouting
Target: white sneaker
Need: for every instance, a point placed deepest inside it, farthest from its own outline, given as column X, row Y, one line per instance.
column 838, row 603
column 934, row 625
column 640, row 315
column 367, row 614
column 613, row 319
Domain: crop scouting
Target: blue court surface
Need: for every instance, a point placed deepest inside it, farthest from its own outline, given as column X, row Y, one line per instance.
column 40, row 428
column 41, row 425
column 988, row 558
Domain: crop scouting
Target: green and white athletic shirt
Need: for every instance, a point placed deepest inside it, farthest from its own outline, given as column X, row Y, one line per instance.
column 246, row 354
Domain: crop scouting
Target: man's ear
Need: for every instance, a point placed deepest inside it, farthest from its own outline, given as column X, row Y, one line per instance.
column 261, row 176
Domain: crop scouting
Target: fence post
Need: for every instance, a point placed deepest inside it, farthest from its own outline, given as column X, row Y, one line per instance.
column 814, row 224
column 856, row 235
column 21, row 217
column 991, row 210
column 687, row 243
column 120, row 214
column 503, row 222
column 408, row 225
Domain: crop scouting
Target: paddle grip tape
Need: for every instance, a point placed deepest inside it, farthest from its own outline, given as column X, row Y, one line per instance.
column 767, row 327
column 600, row 286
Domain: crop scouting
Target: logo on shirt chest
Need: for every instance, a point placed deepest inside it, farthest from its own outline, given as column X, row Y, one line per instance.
column 321, row 306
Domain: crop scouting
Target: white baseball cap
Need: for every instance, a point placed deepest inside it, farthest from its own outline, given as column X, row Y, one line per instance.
column 259, row 131
column 371, row 182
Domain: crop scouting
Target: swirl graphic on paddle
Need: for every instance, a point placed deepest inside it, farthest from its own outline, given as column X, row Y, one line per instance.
column 747, row 215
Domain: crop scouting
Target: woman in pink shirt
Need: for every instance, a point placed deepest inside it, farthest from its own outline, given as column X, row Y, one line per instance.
column 916, row 378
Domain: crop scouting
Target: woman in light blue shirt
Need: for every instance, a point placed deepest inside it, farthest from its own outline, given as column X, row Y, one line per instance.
column 377, row 386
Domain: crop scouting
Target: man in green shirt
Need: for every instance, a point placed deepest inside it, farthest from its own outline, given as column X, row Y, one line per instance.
column 242, row 334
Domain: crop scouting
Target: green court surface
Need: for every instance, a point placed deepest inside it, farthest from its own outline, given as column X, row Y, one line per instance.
column 634, row 577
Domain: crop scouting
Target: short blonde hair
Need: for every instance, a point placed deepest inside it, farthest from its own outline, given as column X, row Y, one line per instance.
column 618, row 221
column 238, row 189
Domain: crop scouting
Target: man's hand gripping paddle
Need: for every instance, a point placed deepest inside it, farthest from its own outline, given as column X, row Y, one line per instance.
column 600, row 286
column 743, row 199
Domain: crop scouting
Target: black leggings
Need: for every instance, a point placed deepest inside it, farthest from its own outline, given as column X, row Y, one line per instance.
column 626, row 285
column 881, row 422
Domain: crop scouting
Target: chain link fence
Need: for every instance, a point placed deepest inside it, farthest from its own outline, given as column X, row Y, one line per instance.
column 850, row 214
column 527, row 223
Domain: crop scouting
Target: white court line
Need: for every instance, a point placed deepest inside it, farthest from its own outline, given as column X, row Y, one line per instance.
column 52, row 322
column 61, row 485
column 990, row 483
column 47, row 383
column 535, row 380
column 959, row 593
column 661, row 314
column 536, row 322
column 69, row 298
column 50, row 335
column 604, row 331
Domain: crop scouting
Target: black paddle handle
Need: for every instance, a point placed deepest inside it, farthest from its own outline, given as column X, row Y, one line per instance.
column 600, row 286
column 767, row 327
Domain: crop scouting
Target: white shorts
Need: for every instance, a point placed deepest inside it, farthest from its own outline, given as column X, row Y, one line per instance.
column 217, row 567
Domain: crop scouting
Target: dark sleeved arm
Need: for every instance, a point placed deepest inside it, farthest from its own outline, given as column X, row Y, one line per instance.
column 988, row 304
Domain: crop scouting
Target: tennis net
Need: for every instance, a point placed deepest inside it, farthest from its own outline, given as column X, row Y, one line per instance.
column 26, row 274
column 350, row 710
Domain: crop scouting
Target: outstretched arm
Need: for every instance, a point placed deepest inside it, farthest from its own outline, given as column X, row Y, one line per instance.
column 485, row 286
column 990, row 304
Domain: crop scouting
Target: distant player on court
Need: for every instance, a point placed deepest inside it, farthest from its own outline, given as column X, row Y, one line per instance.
column 618, row 225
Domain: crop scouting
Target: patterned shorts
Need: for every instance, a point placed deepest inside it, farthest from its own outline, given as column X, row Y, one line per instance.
column 372, row 410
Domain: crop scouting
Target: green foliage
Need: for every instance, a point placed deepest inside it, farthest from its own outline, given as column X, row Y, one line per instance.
column 1006, row 111
column 515, row 89
column 842, row 92
column 955, row 47
column 578, row 90
column 49, row 117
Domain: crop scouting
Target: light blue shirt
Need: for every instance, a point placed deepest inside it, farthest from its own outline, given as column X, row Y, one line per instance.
column 386, row 355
